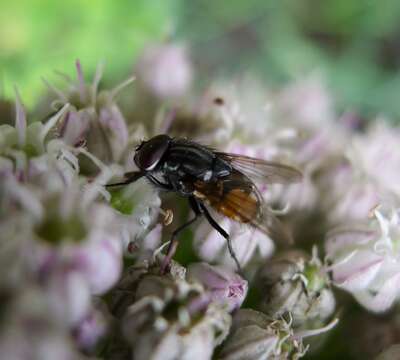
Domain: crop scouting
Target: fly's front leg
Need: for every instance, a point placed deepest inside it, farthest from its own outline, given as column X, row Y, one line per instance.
column 174, row 238
column 217, row 227
column 130, row 177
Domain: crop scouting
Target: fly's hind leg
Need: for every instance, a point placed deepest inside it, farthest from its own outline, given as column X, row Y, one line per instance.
column 217, row 227
column 174, row 237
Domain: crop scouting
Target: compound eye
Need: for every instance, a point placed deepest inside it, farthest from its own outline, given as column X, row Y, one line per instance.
column 150, row 152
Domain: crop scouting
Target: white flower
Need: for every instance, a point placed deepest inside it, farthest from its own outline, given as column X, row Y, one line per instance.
column 212, row 246
column 366, row 261
column 375, row 156
column 66, row 231
column 100, row 260
column 171, row 318
column 164, row 70
column 31, row 331
column 209, row 120
column 363, row 177
column 138, row 207
column 68, row 295
column 241, row 105
column 307, row 100
column 254, row 335
column 93, row 120
column 347, row 197
column 27, row 146
column 93, row 327
column 225, row 286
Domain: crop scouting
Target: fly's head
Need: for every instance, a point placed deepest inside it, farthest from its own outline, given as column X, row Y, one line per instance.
column 149, row 153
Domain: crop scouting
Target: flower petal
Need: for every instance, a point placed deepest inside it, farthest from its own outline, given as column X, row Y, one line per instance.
column 358, row 272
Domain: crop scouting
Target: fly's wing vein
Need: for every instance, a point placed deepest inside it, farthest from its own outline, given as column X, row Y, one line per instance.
column 263, row 170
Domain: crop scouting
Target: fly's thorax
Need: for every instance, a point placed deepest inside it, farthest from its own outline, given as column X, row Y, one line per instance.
column 187, row 159
column 170, row 166
column 221, row 168
column 193, row 159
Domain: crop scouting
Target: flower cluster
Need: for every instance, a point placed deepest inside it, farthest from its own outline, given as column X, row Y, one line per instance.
column 168, row 316
column 62, row 243
column 82, row 264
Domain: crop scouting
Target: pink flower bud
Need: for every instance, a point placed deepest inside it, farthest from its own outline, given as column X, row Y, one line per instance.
column 164, row 70
column 225, row 286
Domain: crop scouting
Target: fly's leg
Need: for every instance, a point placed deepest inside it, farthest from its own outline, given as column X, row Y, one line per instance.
column 217, row 227
column 173, row 244
column 174, row 238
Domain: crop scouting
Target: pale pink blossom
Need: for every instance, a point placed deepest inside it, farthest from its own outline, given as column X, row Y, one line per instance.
column 93, row 120
column 246, row 242
column 138, row 208
column 254, row 335
column 31, row 331
column 164, row 70
column 225, row 286
column 363, row 178
column 307, row 100
column 190, row 331
column 68, row 295
column 365, row 261
column 93, row 327
column 375, row 156
column 100, row 262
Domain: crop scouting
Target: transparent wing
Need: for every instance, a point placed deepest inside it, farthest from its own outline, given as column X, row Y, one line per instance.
column 262, row 170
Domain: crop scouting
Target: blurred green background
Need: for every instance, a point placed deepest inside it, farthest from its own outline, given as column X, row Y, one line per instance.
column 353, row 44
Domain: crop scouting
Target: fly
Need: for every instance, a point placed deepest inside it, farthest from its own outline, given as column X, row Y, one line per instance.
column 209, row 178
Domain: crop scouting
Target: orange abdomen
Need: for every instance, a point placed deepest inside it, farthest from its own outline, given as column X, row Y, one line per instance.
column 237, row 204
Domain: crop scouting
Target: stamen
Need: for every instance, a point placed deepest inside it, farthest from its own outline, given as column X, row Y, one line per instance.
column 168, row 216
column 307, row 333
column 341, row 262
column 114, row 92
